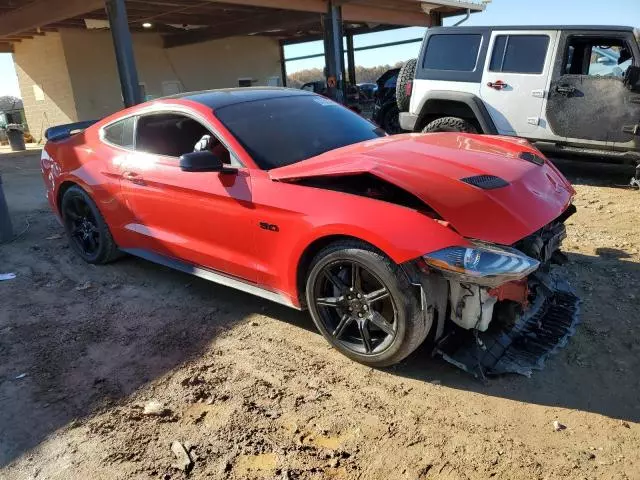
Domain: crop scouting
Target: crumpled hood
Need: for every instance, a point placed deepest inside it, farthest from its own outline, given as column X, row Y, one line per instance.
column 431, row 167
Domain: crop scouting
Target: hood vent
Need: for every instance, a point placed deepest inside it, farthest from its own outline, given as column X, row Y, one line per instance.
column 532, row 157
column 486, row 182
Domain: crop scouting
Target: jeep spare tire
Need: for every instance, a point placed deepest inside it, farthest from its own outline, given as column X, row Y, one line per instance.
column 450, row 124
column 405, row 77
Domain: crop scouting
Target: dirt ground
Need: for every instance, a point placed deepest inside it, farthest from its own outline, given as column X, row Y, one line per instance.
column 253, row 391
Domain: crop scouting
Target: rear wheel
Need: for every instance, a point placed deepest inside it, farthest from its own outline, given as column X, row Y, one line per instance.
column 88, row 232
column 450, row 124
column 364, row 305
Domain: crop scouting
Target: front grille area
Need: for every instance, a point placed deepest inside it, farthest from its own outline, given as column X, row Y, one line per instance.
column 524, row 345
column 544, row 243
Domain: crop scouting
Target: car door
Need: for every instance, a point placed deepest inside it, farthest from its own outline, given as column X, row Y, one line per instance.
column 515, row 80
column 588, row 103
column 203, row 218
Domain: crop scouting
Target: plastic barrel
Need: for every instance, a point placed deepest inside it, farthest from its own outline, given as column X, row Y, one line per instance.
column 16, row 139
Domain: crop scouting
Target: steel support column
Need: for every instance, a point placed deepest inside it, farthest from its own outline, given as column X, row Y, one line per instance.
column 6, row 229
column 334, row 52
column 123, row 45
column 283, row 65
column 351, row 59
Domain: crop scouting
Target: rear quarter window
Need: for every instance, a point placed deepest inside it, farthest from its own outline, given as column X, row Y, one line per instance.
column 120, row 133
column 457, row 52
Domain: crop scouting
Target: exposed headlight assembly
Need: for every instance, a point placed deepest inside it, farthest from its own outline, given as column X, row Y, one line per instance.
column 482, row 264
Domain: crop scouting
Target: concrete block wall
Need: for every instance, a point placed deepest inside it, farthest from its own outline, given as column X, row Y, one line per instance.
column 77, row 74
column 45, row 83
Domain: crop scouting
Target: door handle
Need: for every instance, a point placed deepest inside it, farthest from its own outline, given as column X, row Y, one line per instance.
column 565, row 90
column 133, row 178
column 498, row 85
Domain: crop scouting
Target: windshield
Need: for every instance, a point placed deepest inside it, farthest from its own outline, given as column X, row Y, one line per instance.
column 286, row 130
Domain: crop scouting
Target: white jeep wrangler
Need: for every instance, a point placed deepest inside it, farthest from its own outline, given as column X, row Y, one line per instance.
column 570, row 89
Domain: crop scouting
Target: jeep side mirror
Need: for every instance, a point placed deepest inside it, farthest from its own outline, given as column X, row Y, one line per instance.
column 632, row 78
column 204, row 161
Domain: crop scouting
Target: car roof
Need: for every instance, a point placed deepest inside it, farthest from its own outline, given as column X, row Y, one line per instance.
column 615, row 28
column 216, row 99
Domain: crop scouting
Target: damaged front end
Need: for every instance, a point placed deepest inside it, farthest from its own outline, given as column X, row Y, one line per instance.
column 509, row 308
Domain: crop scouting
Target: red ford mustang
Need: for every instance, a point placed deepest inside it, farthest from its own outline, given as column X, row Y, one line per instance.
column 291, row 197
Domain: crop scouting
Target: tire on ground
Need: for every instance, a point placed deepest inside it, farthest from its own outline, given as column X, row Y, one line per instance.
column 108, row 250
column 412, row 328
column 450, row 124
column 406, row 75
column 390, row 122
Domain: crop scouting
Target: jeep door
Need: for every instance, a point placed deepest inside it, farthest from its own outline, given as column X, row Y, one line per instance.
column 516, row 77
column 588, row 104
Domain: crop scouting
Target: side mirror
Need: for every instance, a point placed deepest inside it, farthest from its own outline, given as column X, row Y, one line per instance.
column 632, row 78
column 204, row 161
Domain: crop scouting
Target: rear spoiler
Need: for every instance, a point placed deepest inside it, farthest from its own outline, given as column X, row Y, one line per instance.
column 61, row 132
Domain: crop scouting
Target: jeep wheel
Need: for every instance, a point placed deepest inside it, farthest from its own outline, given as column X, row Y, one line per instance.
column 407, row 72
column 450, row 124
column 364, row 305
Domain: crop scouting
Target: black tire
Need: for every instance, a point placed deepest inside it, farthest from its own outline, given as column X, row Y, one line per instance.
column 406, row 75
column 450, row 124
column 391, row 298
column 390, row 119
column 88, row 233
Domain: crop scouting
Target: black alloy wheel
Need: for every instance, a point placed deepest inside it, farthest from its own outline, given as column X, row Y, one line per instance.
column 364, row 304
column 356, row 307
column 88, row 233
column 82, row 227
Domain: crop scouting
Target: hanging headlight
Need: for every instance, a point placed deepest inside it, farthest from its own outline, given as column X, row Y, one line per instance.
column 482, row 264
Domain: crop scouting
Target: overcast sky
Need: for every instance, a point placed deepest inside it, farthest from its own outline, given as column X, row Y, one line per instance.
column 499, row 12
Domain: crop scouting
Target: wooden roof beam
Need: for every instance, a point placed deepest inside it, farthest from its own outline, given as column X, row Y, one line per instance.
column 243, row 26
column 44, row 12
column 350, row 13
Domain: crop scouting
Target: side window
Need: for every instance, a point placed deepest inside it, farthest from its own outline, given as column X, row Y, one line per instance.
column 457, row 52
column 173, row 135
column 519, row 54
column 597, row 57
column 121, row 133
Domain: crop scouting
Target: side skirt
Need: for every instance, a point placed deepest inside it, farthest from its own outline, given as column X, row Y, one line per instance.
column 212, row 276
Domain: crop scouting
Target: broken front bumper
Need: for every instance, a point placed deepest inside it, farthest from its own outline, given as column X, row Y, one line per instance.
column 524, row 345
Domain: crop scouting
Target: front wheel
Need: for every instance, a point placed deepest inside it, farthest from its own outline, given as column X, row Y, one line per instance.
column 364, row 305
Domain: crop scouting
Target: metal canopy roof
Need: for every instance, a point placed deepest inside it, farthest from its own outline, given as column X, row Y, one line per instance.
column 183, row 22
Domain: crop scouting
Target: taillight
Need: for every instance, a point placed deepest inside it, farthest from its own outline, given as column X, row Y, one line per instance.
column 408, row 88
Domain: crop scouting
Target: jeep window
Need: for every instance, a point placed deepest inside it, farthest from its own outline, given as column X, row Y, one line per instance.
column 452, row 52
column 519, row 54
column 597, row 57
